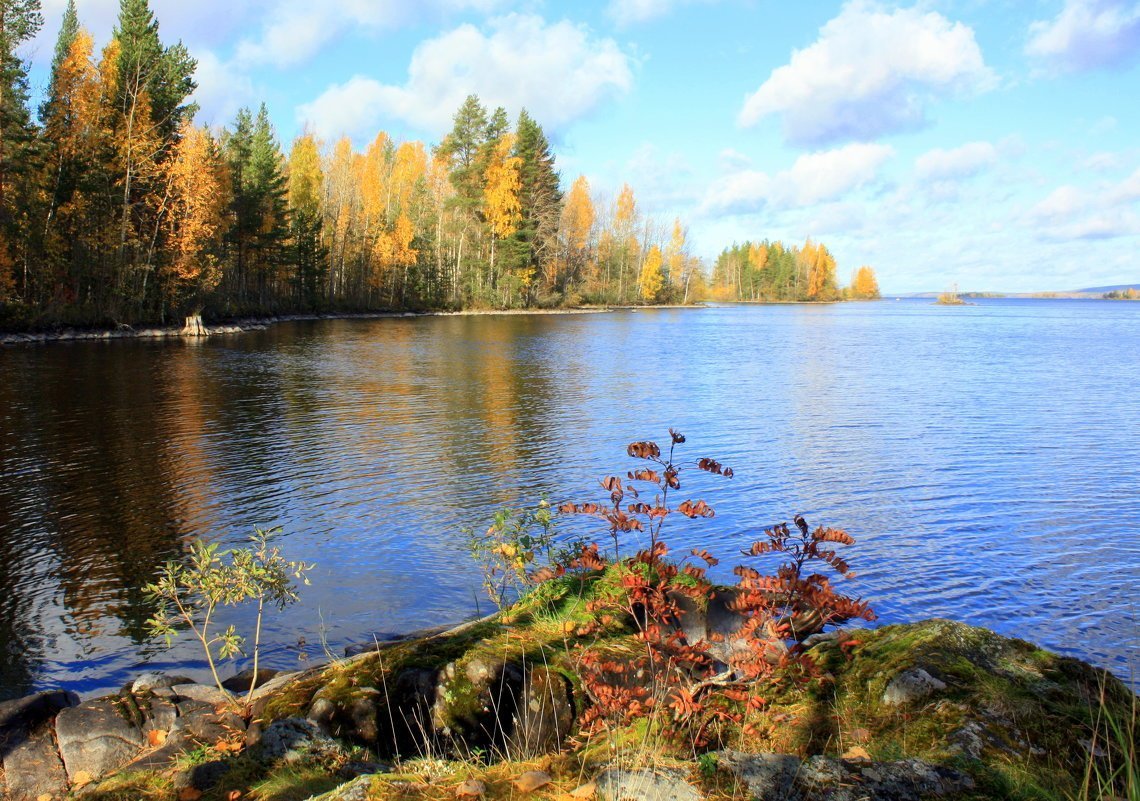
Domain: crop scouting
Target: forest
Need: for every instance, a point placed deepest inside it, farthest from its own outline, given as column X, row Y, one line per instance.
column 117, row 209
column 773, row 272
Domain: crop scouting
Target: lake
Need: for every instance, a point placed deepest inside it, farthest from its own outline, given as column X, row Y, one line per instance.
column 986, row 458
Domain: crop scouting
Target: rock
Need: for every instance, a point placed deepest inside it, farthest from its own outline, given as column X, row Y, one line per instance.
column 354, row 717
column 544, row 714
column 32, row 767
column 32, row 711
column 204, row 724
column 905, row 780
column 241, row 683
column 644, row 785
column 97, row 736
column 769, row 777
column 532, row 780
column 275, row 684
column 201, row 777
column 203, row 693
column 587, row 790
column 477, row 700
column 355, row 790
column 472, row 788
column 160, row 714
column 781, row 777
column 350, row 770
column 294, row 739
column 148, row 682
column 911, row 686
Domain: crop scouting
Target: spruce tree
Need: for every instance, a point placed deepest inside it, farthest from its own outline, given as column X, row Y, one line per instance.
column 167, row 74
column 260, row 225
column 535, row 241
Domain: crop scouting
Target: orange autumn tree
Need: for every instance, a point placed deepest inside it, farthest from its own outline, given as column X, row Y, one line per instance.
column 652, row 278
column 576, row 225
column 501, row 204
column 195, row 220
column 864, row 284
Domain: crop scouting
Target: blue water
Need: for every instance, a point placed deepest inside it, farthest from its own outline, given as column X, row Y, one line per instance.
column 985, row 458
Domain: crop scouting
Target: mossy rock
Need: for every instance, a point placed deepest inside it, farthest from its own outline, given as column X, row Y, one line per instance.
column 1015, row 716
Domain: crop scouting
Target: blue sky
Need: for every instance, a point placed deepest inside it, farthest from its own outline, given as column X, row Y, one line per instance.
column 990, row 143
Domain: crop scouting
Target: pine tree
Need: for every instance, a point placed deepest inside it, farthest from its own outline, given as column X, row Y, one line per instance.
column 462, row 149
column 20, row 20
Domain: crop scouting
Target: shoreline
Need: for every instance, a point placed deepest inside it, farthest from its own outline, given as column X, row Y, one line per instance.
column 243, row 325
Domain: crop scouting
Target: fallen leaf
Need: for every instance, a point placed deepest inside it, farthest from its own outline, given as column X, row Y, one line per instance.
column 532, row 780
column 228, row 746
column 472, row 788
column 857, row 754
column 81, row 778
column 44, row 797
column 189, row 794
column 156, row 737
column 234, row 795
column 587, row 790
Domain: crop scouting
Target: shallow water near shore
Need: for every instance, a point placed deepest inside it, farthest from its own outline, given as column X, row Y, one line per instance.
column 986, row 458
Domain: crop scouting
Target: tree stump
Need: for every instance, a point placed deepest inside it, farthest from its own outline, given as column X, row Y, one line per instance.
column 194, row 327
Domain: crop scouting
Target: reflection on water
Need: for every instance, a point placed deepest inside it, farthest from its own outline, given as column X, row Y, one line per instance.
column 984, row 457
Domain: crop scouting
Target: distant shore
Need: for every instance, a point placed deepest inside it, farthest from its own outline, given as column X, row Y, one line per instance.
column 245, row 324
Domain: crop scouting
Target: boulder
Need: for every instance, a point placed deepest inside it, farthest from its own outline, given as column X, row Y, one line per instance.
column 97, row 737
column 910, row 687
column 241, row 683
column 767, row 776
column 355, row 790
column 32, row 767
column 205, row 693
column 156, row 680
column 296, row 739
column 543, row 714
column 781, row 777
column 33, row 770
column 201, row 777
column 644, row 785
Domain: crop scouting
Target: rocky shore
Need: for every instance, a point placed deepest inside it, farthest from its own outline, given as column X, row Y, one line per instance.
column 928, row 710
column 252, row 324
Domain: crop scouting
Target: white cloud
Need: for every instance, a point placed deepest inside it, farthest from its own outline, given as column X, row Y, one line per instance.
column 1102, row 162
column 629, row 12
column 1088, row 34
column 959, row 162
column 869, row 73
column 1107, row 211
column 514, row 63
column 662, row 180
column 297, row 30
column 295, row 35
column 221, row 90
column 813, row 178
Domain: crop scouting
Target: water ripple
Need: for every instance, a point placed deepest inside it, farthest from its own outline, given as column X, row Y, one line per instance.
column 985, row 458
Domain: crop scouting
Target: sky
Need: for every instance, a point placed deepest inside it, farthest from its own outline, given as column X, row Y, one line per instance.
column 991, row 144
